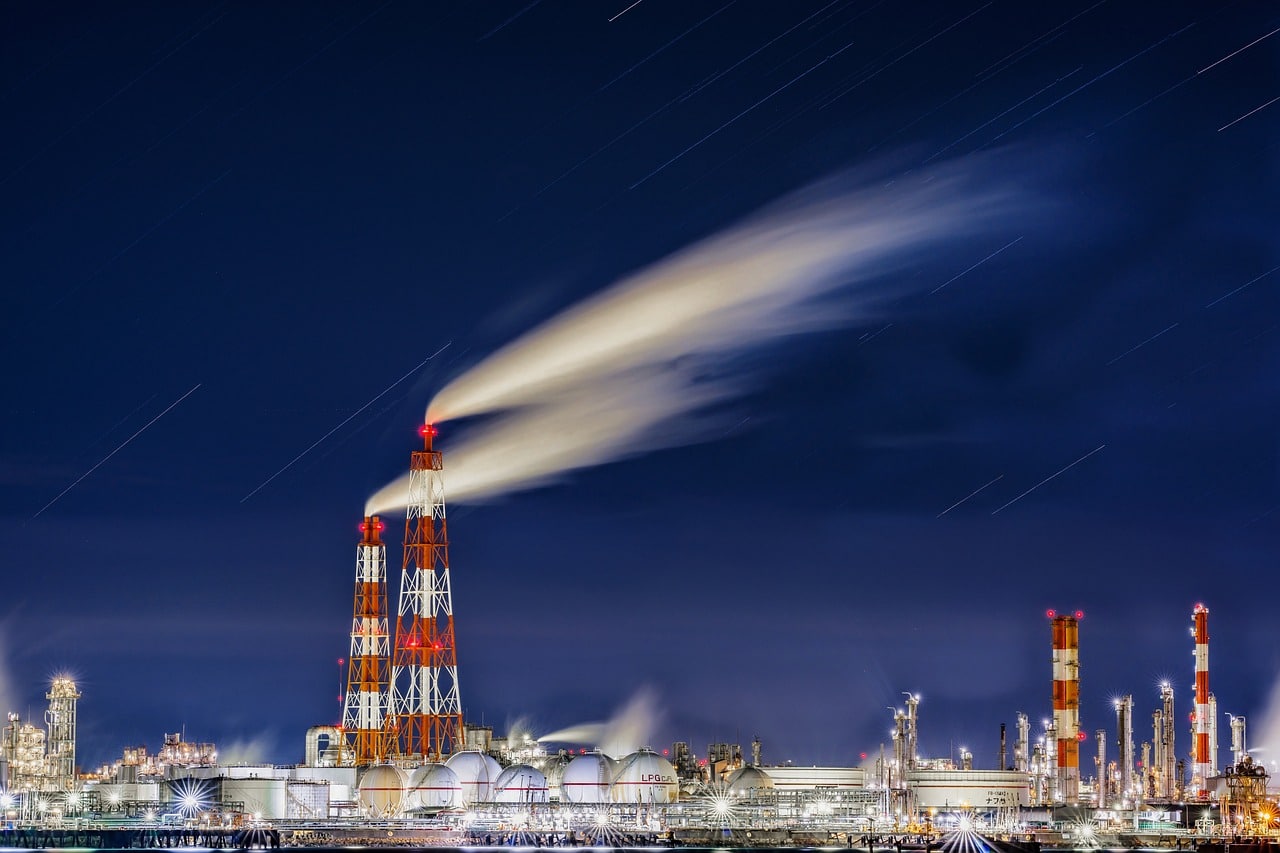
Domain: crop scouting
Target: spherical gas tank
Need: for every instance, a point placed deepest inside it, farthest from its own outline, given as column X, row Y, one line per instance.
column 476, row 773
column 382, row 789
column 748, row 782
column 520, row 783
column 586, row 779
column 645, row 777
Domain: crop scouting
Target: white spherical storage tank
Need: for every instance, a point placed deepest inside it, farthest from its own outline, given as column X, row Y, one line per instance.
column 748, row 782
column 645, row 777
column 382, row 791
column 520, row 783
column 431, row 786
column 586, row 779
column 476, row 773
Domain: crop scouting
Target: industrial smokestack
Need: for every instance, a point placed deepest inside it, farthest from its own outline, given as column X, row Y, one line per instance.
column 1066, row 702
column 364, row 707
column 1004, row 755
column 1202, row 769
column 425, row 705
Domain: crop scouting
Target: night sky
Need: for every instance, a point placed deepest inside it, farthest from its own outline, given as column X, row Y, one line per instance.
column 227, row 227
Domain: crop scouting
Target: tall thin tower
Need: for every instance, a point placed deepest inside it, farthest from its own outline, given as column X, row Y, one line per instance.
column 1204, row 714
column 1124, row 739
column 1066, row 702
column 364, row 708
column 426, row 709
column 1163, row 743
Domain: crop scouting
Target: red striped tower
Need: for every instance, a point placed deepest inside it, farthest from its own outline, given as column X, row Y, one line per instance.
column 426, row 710
column 364, row 707
column 1066, row 702
column 1202, row 771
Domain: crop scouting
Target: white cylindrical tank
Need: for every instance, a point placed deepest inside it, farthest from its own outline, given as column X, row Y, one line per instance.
column 586, row 779
column 382, row 791
column 645, row 777
column 520, row 783
column 307, row 800
column 267, row 799
column 748, row 781
column 476, row 773
column 434, row 787
column 960, row 788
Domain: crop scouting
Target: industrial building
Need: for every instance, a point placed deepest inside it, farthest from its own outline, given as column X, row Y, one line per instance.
column 404, row 757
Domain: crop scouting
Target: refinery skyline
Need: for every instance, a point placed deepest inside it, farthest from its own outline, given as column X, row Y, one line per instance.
column 247, row 248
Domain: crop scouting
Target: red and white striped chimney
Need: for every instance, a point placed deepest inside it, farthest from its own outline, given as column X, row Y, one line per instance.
column 1066, row 702
column 1202, row 770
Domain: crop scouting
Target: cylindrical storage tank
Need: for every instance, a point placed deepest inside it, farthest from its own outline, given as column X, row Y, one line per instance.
column 307, row 800
column 434, row 787
column 748, row 782
column 476, row 772
column 645, row 777
column 586, row 779
column 949, row 789
column 520, row 783
column 266, row 799
column 382, row 791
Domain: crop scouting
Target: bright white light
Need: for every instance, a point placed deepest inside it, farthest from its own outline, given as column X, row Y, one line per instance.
column 602, row 818
column 7, row 800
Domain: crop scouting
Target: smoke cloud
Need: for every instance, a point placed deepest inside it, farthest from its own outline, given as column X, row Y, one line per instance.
column 630, row 728
column 594, row 383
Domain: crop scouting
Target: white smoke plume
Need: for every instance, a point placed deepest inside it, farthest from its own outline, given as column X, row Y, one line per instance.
column 594, row 383
column 251, row 749
column 630, row 728
column 1264, row 737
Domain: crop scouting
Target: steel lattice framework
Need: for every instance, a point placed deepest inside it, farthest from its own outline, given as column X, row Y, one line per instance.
column 425, row 707
column 364, row 709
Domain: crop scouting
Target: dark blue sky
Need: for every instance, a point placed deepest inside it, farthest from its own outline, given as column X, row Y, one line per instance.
column 291, row 205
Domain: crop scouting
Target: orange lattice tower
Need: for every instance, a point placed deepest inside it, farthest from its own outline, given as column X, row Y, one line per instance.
column 364, row 707
column 426, row 713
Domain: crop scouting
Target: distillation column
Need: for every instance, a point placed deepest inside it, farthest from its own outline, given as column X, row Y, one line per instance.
column 1213, row 735
column 1066, row 703
column 1104, row 776
column 365, row 705
column 425, row 705
column 1237, row 741
column 1022, row 747
column 1124, row 756
column 913, row 730
column 1201, row 772
column 61, row 719
column 1163, row 743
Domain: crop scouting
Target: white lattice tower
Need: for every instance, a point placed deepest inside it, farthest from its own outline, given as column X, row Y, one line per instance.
column 365, row 704
column 426, row 707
